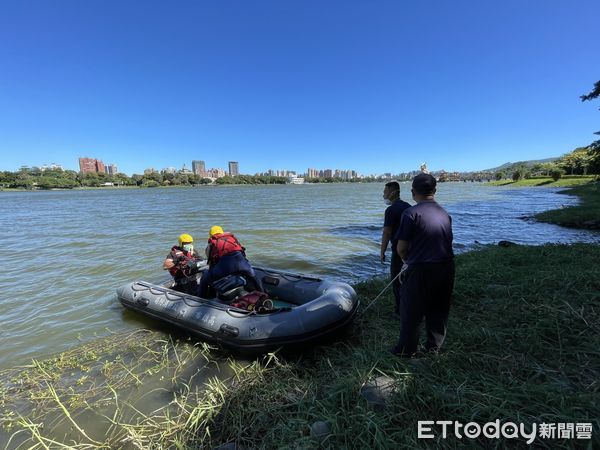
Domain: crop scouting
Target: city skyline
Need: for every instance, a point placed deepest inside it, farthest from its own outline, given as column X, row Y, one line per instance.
column 198, row 167
column 372, row 87
column 87, row 164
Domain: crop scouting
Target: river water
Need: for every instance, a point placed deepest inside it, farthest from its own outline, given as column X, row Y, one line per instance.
column 65, row 252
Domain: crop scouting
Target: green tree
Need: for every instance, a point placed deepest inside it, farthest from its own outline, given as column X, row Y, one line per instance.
column 23, row 180
column 547, row 168
column 137, row 179
column 519, row 172
column 577, row 162
column 168, row 178
column 47, row 182
column 121, row 179
column 225, row 180
column 90, row 180
column 536, row 169
column 155, row 177
column 594, row 147
column 557, row 173
column 4, row 179
column 183, row 179
column 595, row 93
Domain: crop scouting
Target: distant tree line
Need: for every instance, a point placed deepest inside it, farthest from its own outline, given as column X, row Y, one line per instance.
column 27, row 178
column 33, row 178
column 336, row 180
column 581, row 161
column 251, row 179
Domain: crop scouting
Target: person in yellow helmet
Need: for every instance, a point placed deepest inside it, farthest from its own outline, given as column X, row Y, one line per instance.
column 226, row 256
column 182, row 261
column 215, row 229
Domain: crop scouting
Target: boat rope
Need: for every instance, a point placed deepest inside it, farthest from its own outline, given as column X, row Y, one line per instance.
column 381, row 293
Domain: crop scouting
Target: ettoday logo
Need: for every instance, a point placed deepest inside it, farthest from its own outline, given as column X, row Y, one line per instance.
column 429, row 429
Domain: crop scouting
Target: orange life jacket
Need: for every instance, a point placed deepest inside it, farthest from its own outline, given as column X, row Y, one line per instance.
column 221, row 245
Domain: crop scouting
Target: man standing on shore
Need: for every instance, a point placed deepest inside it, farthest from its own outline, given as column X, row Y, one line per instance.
column 424, row 242
column 391, row 196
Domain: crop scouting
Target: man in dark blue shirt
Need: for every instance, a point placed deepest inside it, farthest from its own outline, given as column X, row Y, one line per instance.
column 424, row 242
column 391, row 196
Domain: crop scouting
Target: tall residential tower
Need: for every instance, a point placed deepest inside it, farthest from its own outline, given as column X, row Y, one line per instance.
column 198, row 167
column 234, row 168
column 91, row 165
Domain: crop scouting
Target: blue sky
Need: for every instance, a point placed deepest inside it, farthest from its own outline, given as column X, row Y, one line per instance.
column 374, row 86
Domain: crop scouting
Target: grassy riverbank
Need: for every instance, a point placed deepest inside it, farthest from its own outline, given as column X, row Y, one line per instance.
column 522, row 347
column 584, row 215
column 565, row 181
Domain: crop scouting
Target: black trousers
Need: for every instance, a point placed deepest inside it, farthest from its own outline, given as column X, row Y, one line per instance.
column 425, row 293
column 395, row 267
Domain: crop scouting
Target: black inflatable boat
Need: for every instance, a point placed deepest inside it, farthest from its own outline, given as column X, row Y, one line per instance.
column 303, row 309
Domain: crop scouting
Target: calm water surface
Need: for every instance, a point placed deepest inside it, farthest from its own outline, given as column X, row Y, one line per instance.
column 65, row 252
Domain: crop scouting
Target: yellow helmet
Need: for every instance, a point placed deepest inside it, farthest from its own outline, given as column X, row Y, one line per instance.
column 185, row 238
column 216, row 229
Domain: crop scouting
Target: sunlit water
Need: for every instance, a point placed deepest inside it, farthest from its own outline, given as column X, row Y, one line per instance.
column 65, row 252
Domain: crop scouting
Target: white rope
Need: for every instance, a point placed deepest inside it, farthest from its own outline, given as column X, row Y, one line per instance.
column 379, row 295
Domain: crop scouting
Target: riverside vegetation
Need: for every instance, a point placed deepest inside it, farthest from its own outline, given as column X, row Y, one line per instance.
column 522, row 347
column 565, row 181
column 36, row 179
column 585, row 215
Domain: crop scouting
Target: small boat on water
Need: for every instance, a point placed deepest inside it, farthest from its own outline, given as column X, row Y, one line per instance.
column 303, row 310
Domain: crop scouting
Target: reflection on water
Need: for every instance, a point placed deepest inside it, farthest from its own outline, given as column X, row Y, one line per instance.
column 66, row 252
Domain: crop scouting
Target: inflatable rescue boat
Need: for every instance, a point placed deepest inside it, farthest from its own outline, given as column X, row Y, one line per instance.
column 299, row 309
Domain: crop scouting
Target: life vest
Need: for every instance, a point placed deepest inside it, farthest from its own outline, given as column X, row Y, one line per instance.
column 180, row 258
column 220, row 245
column 254, row 301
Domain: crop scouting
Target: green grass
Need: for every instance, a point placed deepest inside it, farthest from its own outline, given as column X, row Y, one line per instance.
column 586, row 214
column 565, row 181
column 522, row 346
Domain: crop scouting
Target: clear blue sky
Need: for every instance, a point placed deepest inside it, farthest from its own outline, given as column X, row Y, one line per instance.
column 375, row 86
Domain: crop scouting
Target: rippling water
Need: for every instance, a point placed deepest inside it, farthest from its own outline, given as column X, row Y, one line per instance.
column 65, row 252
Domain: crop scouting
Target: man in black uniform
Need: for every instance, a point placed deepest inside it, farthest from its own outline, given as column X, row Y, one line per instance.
column 425, row 245
column 391, row 196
